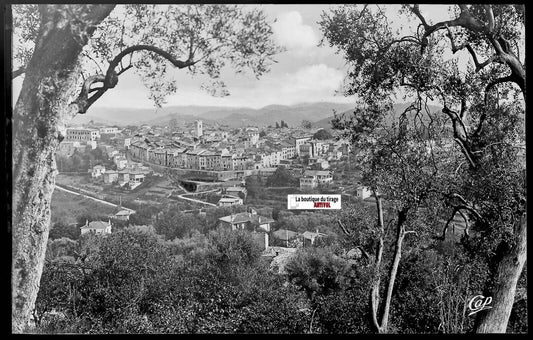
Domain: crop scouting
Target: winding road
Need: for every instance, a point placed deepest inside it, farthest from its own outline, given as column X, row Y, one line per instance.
column 133, row 211
column 198, row 201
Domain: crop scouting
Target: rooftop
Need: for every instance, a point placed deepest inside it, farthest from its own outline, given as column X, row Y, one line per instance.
column 317, row 173
column 96, row 225
column 283, row 234
column 311, row 235
column 229, row 199
column 246, row 217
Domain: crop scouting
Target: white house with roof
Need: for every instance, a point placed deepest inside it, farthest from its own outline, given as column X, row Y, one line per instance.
column 258, row 225
column 229, row 200
column 246, row 220
column 300, row 141
column 97, row 227
column 309, row 237
column 123, row 215
column 82, row 134
column 109, row 130
column 135, row 179
column 322, row 176
column 363, row 192
column 97, row 171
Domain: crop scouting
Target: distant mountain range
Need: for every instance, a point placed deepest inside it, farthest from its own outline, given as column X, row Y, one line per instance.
column 319, row 114
column 398, row 109
column 230, row 116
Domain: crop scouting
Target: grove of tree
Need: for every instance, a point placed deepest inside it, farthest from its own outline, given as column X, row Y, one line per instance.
column 465, row 161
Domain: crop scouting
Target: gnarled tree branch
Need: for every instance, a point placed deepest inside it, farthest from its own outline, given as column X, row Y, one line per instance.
column 489, row 87
column 110, row 79
column 490, row 18
column 465, row 20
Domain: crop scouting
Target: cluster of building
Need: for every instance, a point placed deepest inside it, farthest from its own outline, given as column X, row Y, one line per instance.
column 114, row 144
column 260, row 227
column 79, row 138
column 218, row 150
column 133, row 176
column 225, row 153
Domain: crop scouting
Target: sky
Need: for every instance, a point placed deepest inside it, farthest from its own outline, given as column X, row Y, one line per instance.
column 304, row 72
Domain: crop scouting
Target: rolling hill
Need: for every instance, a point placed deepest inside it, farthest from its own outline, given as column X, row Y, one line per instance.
column 319, row 114
column 233, row 117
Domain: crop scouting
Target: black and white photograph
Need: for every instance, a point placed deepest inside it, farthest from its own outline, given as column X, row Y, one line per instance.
column 263, row 168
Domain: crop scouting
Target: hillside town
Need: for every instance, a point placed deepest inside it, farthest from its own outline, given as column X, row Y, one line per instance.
column 217, row 161
column 267, row 168
column 205, row 158
column 208, row 152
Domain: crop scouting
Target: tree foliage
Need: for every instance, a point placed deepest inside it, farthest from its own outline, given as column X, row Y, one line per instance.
column 318, row 271
column 253, row 187
column 306, row 124
column 138, row 283
column 435, row 166
column 61, row 229
column 281, row 178
column 201, row 39
column 322, row 134
column 173, row 224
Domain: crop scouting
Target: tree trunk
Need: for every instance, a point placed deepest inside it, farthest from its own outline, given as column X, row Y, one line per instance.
column 383, row 327
column 374, row 293
column 400, row 234
column 495, row 320
column 41, row 111
column 376, row 280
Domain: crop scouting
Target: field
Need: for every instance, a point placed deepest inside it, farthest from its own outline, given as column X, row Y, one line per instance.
column 154, row 189
column 67, row 207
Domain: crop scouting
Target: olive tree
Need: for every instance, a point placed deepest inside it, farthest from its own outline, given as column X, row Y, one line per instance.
column 481, row 104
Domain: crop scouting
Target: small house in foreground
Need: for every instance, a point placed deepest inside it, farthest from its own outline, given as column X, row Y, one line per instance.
column 309, row 237
column 363, row 192
column 97, row 227
column 123, row 215
column 258, row 225
column 246, row 221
